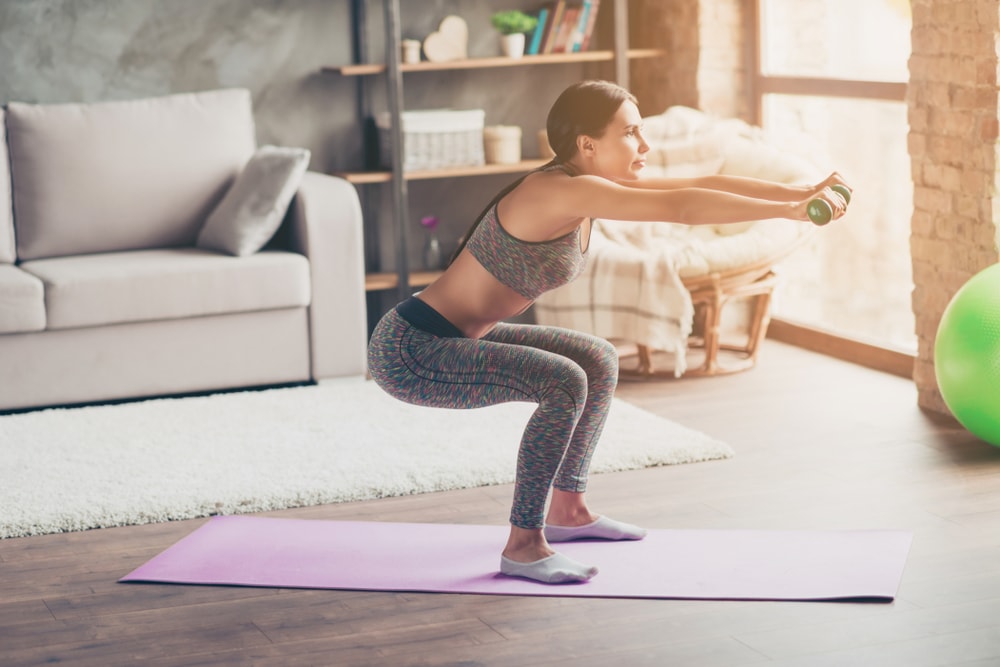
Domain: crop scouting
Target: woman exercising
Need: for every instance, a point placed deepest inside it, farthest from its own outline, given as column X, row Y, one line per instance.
column 448, row 345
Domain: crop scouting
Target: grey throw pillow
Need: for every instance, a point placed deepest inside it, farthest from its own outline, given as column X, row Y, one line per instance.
column 254, row 206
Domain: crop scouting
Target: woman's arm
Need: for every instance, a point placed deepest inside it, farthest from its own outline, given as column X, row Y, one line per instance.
column 593, row 196
column 739, row 185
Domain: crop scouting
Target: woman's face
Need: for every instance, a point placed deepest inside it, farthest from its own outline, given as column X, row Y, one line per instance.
column 619, row 154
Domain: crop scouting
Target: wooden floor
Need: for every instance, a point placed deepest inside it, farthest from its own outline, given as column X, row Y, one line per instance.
column 820, row 444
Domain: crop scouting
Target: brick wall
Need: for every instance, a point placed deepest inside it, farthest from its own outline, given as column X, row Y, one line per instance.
column 722, row 77
column 953, row 107
column 706, row 63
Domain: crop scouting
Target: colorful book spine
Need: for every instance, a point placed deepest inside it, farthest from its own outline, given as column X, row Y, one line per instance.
column 566, row 30
column 576, row 42
column 588, row 32
column 553, row 27
column 534, row 47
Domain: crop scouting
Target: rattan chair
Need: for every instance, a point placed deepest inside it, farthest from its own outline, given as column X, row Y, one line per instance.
column 710, row 295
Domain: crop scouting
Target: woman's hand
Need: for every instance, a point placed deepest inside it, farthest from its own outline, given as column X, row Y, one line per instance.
column 835, row 200
column 828, row 200
column 833, row 179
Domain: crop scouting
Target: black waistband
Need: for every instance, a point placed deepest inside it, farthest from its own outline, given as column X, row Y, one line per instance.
column 425, row 318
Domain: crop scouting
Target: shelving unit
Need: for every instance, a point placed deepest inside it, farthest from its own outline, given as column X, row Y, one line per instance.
column 402, row 279
column 483, row 63
column 368, row 177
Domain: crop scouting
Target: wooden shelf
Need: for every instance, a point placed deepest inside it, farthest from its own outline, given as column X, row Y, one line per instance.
column 362, row 177
column 614, row 59
column 368, row 69
column 384, row 281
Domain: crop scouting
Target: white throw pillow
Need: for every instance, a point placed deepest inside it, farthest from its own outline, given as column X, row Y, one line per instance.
column 254, row 206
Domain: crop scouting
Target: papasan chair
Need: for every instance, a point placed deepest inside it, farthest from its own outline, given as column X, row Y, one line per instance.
column 661, row 289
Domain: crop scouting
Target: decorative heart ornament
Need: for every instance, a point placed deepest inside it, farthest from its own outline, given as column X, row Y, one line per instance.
column 450, row 42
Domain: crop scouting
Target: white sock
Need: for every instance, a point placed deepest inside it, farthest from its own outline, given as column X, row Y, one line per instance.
column 602, row 529
column 555, row 569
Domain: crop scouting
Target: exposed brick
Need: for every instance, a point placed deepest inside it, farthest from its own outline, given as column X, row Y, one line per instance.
column 968, row 205
column 931, row 199
column 917, row 144
column 989, row 129
column 923, row 223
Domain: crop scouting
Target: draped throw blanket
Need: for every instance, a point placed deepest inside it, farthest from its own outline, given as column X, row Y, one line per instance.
column 630, row 290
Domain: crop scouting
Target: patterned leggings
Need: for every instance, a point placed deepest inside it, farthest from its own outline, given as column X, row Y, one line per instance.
column 570, row 375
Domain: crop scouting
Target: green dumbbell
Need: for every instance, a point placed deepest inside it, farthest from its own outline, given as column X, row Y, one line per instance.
column 820, row 211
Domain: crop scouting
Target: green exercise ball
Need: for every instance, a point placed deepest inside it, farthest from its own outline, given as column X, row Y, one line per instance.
column 967, row 355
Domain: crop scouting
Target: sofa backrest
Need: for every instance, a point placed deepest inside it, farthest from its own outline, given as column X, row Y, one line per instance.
column 6, row 215
column 125, row 175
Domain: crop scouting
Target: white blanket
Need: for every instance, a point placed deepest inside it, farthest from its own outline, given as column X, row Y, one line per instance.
column 630, row 290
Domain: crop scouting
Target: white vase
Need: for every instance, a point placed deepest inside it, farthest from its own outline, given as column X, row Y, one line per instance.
column 512, row 46
column 432, row 253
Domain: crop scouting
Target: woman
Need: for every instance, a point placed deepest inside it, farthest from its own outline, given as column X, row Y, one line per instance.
column 448, row 345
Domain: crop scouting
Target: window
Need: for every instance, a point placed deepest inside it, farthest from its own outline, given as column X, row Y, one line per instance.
column 832, row 74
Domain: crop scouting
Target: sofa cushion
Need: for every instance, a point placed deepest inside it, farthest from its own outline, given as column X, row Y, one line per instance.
column 110, row 176
column 252, row 209
column 22, row 301
column 142, row 285
column 7, row 255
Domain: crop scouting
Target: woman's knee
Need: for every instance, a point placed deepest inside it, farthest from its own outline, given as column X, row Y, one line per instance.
column 609, row 356
column 567, row 381
column 601, row 360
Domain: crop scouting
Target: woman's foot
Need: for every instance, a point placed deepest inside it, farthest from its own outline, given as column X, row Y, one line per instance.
column 529, row 556
column 554, row 569
column 569, row 518
column 601, row 528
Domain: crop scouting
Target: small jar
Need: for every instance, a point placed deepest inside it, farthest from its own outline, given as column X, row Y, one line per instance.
column 502, row 144
column 411, row 51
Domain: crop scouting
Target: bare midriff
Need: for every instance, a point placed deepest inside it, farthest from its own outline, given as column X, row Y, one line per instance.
column 468, row 296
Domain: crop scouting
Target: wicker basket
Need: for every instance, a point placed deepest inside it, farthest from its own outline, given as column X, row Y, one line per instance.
column 435, row 139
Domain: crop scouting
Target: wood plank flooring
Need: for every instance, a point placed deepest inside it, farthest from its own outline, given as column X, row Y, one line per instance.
column 820, row 444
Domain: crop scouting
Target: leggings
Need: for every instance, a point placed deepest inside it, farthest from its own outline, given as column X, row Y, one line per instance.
column 569, row 374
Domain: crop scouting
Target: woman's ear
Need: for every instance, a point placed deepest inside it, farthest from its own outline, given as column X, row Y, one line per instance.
column 585, row 145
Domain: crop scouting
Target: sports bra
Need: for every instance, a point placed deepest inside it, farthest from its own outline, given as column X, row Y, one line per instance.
column 527, row 267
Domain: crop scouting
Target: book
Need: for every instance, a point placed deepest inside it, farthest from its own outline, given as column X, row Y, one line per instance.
column 580, row 31
column 555, row 20
column 588, row 31
column 535, row 44
column 566, row 28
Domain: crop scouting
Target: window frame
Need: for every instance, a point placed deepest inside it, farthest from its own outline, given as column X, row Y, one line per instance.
column 881, row 356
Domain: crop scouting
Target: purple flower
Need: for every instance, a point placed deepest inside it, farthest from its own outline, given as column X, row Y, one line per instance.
column 429, row 222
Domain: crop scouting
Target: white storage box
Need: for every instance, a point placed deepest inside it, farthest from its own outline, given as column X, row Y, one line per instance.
column 435, row 139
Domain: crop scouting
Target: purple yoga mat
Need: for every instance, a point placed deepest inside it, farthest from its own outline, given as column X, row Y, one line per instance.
column 449, row 558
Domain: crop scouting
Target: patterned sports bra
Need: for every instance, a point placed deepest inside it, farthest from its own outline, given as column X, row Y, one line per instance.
column 527, row 267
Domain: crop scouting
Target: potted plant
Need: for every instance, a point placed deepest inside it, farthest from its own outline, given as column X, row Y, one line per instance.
column 512, row 24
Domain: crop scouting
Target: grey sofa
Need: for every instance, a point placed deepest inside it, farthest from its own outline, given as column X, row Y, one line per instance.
column 103, row 292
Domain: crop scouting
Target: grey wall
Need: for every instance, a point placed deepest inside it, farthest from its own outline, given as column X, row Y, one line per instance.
column 90, row 50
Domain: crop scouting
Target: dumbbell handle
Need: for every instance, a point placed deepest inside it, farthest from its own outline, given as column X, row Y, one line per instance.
column 820, row 211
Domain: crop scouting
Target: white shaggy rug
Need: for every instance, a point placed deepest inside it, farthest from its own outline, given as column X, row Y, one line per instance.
column 75, row 469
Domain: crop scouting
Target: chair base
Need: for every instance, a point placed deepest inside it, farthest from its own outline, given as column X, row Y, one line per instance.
column 710, row 294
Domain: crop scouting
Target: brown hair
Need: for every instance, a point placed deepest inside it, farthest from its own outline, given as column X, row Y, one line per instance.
column 585, row 108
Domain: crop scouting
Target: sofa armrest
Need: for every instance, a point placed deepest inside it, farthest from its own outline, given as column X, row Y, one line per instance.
column 326, row 227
